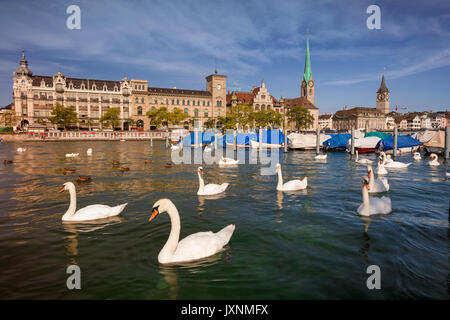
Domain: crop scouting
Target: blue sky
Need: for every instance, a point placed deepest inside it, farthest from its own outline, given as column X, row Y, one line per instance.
column 178, row 43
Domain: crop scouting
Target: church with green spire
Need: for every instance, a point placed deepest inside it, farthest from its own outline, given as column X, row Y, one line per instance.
column 307, row 84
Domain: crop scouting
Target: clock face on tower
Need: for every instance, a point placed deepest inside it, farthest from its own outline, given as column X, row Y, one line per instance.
column 380, row 96
column 311, row 83
column 219, row 87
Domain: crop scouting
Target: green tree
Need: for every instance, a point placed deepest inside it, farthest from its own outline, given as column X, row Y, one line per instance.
column 8, row 118
column 63, row 116
column 210, row 123
column 130, row 122
column 228, row 121
column 242, row 114
column 301, row 117
column 111, row 118
column 274, row 118
column 177, row 116
column 158, row 116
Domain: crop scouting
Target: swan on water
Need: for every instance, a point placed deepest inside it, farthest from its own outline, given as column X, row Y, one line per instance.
column 210, row 188
column 373, row 205
column 321, row 157
column 21, row 149
column 378, row 185
column 434, row 160
column 72, row 155
column 381, row 169
column 89, row 151
column 92, row 212
column 176, row 146
column 227, row 161
column 388, row 158
column 417, row 156
column 290, row 185
column 195, row 246
column 393, row 164
column 362, row 161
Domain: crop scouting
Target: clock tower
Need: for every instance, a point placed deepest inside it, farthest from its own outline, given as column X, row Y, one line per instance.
column 216, row 84
column 307, row 87
column 383, row 98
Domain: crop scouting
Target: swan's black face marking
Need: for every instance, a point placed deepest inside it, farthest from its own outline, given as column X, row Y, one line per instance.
column 62, row 189
column 155, row 212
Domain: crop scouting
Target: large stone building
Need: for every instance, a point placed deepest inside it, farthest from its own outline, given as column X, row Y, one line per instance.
column 363, row 117
column 259, row 98
column 35, row 95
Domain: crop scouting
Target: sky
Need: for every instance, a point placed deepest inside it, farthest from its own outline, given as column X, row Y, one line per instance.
column 178, row 43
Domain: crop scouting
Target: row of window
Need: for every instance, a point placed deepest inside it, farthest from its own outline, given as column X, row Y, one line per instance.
column 139, row 87
column 186, row 111
column 183, row 102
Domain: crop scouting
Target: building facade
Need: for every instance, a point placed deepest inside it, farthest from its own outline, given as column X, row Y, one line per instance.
column 326, row 122
column 35, row 95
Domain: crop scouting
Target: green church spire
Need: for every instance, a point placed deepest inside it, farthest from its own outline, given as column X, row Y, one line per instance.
column 307, row 73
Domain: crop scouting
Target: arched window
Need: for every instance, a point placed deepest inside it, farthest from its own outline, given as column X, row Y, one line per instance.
column 263, row 107
column 178, row 101
column 198, row 102
column 208, row 103
column 188, row 103
column 195, row 112
column 186, row 111
column 186, row 125
column 257, row 107
column 153, row 108
column 203, row 102
column 205, row 113
column 183, row 102
column 139, row 111
column 142, row 100
column 219, row 103
column 140, row 123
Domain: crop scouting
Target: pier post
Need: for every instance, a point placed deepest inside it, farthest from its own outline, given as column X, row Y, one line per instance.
column 394, row 151
column 317, row 140
column 234, row 139
column 285, row 140
column 167, row 139
column 353, row 142
column 151, row 139
column 260, row 138
column 447, row 142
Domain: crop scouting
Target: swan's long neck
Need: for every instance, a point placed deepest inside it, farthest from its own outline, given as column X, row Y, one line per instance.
column 356, row 160
column 280, row 179
column 365, row 196
column 73, row 202
column 169, row 248
column 201, row 182
column 371, row 179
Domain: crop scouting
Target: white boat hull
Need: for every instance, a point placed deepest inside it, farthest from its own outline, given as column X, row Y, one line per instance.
column 255, row 144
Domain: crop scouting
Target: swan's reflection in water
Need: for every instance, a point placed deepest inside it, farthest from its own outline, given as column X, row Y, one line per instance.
column 366, row 221
column 170, row 272
column 74, row 228
column 202, row 201
column 365, row 249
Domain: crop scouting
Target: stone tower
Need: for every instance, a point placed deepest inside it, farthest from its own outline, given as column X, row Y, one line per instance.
column 307, row 86
column 383, row 98
column 22, row 92
column 216, row 84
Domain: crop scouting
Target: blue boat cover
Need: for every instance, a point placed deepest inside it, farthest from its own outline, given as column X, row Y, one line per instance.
column 337, row 140
column 202, row 137
column 241, row 139
column 403, row 141
column 272, row 136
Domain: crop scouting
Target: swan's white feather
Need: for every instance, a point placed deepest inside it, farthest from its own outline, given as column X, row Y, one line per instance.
column 212, row 188
column 377, row 206
column 295, row 185
column 95, row 211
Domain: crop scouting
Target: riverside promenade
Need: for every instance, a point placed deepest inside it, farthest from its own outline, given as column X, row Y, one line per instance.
column 85, row 136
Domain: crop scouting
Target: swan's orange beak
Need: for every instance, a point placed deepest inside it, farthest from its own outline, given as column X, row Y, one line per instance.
column 368, row 174
column 201, row 171
column 155, row 212
column 367, row 187
column 62, row 189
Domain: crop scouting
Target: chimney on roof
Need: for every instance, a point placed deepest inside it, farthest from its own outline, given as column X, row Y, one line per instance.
column 346, row 108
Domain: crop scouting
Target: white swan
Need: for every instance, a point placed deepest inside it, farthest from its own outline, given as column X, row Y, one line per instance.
column 372, row 206
column 378, row 185
column 434, row 160
column 381, row 169
column 362, row 161
column 21, row 149
column 393, row 164
column 210, row 188
column 227, row 161
column 417, row 156
column 321, row 157
column 388, row 158
column 92, row 212
column 195, row 246
column 89, row 151
column 72, row 155
column 176, row 146
column 290, row 185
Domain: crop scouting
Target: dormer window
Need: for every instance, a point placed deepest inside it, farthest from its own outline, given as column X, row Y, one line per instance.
column 82, row 87
column 105, row 88
column 94, row 87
